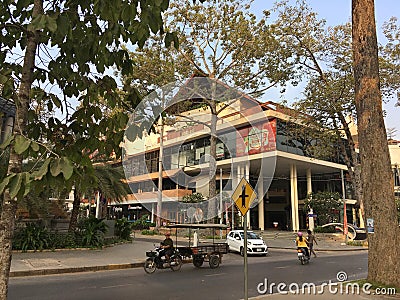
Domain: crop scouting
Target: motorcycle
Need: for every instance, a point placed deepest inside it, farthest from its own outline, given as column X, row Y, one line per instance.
column 301, row 254
column 155, row 261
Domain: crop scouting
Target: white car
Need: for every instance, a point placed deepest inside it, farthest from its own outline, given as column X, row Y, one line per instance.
column 255, row 244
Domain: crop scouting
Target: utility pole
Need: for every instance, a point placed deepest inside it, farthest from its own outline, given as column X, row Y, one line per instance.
column 345, row 228
column 160, row 173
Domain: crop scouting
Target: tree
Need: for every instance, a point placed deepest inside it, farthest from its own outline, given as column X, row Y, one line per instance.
column 328, row 104
column 52, row 55
column 390, row 65
column 391, row 133
column 222, row 42
column 376, row 175
column 325, row 204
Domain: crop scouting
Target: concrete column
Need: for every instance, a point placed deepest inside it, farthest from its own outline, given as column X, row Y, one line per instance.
column 152, row 213
column 97, row 197
column 260, row 195
column 294, row 198
column 309, row 191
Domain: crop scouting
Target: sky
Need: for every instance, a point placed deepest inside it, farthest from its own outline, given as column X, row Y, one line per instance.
column 337, row 12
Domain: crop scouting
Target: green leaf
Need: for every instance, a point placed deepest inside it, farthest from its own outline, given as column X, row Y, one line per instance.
column 5, row 182
column 55, row 167
column 35, row 146
column 66, row 168
column 131, row 132
column 38, row 175
column 15, row 185
column 27, row 184
column 51, row 23
column 38, row 23
column 7, row 142
column 21, row 144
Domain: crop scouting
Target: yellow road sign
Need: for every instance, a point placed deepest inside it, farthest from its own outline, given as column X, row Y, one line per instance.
column 243, row 196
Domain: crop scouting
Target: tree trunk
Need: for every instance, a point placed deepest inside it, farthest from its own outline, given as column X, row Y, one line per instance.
column 212, row 201
column 376, row 174
column 9, row 207
column 353, row 167
column 73, row 222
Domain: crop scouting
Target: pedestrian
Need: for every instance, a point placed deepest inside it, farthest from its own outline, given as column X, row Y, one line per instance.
column 311, row 239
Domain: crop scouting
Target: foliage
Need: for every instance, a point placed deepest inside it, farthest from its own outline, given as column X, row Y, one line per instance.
column 123, row 229
column 326, row 229
column 64, row 240
column 32, row 237
column 389, row 63
column 142, row 223
column 149, row 232
column 92, row 230
column 193, row 198
column 68, row 76
column 324, row 204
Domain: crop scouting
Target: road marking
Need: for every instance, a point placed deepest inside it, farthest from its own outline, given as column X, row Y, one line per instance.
column 116, row 286
column 284, row 267
column 219, row 274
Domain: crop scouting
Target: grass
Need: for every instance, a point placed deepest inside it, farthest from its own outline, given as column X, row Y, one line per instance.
column 374, row 286
column 358, row 243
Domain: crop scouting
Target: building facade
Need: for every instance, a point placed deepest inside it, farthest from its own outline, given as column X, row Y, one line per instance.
column 262, row 145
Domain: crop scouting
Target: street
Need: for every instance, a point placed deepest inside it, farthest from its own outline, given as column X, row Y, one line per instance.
column 225, row 282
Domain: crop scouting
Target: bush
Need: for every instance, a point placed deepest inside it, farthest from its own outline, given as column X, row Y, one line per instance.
column 123, row 229
column 327, row 229
column 149, row 232
column 63, row 240
column 91, row 231
column 142, row 223
column 32, row 237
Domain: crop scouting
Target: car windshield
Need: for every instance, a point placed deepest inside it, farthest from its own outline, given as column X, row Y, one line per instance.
column 250, row 235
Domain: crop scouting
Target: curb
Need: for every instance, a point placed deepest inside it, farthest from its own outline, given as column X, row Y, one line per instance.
column 42, row 272
column 316, row 249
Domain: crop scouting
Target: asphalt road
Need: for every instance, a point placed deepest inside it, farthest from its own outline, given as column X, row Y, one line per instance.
column 225, row 282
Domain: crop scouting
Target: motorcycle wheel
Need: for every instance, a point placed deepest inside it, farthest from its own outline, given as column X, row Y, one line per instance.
column 302, row 260
column 150, row 266
column 176, row 263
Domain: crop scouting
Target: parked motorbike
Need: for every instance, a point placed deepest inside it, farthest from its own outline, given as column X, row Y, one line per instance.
column 301, row 254
column 155, row 261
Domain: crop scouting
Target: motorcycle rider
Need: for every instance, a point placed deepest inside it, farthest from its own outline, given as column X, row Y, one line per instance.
column 167, row 247
column 301, row 243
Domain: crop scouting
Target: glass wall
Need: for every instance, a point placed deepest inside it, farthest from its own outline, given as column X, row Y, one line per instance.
column 301, row 140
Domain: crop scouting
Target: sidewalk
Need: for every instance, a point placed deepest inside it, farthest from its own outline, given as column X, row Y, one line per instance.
column 128, row 255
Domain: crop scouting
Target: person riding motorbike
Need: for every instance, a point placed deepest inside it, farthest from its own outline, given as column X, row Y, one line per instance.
column 301, row 243
column 167, row 247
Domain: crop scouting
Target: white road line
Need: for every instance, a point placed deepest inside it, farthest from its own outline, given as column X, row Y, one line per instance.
column 211, row 275
column 116, row 286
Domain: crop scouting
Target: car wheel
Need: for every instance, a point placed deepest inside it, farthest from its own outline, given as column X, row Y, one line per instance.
column 242, row 251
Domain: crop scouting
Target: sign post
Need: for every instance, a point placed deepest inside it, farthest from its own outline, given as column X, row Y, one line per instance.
column 243, row 196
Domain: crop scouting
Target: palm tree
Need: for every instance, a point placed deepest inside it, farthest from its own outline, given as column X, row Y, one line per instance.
column 107, row 180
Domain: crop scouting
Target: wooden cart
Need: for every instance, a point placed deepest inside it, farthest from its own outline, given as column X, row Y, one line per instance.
column 202, row 252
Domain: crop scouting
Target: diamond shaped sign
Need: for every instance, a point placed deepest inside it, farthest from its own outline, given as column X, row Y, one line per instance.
column 243, row 196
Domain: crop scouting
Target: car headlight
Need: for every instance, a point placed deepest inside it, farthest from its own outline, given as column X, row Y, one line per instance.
column 248, row 243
